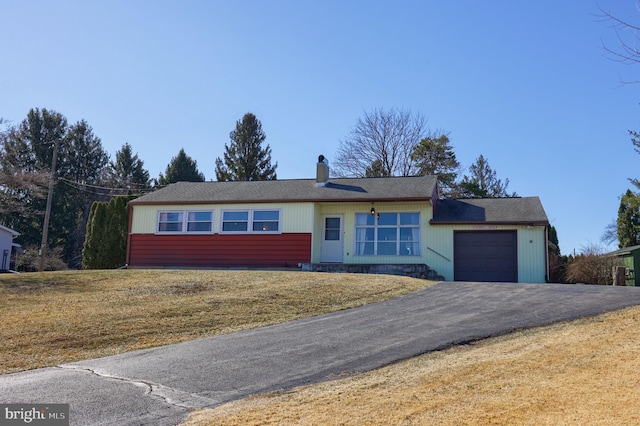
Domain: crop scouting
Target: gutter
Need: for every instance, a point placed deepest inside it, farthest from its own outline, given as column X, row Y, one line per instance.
column 493, row 222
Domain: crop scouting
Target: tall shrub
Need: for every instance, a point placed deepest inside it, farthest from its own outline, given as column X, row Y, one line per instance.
column 106, row 240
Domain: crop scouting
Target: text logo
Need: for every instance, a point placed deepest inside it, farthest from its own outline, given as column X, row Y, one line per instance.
column 34, row 414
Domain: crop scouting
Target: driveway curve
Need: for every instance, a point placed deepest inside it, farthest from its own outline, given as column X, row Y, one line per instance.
column 159, row 386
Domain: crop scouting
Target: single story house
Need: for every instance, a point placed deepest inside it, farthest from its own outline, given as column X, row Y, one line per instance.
column 6, row 246
column 364, row 221
column 630, row 257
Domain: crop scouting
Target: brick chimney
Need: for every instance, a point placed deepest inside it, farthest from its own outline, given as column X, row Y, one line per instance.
column 322, row 171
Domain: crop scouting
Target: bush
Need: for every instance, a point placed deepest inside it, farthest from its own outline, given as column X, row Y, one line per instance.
column 29, row 260
column 592, row 267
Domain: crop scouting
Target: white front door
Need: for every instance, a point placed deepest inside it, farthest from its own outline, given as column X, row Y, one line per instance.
column 332, row 239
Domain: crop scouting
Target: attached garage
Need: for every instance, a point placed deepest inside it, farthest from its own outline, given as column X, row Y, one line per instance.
column 485, row 256
column 490, row 239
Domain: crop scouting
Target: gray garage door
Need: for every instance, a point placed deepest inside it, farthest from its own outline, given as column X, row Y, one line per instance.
column 485, row 256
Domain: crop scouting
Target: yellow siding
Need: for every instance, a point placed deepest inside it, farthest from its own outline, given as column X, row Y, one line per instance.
column 349, row 211
column 436, row 242
column 296, row 217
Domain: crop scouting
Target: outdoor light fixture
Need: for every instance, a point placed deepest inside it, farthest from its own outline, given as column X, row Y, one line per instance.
column 373, row 211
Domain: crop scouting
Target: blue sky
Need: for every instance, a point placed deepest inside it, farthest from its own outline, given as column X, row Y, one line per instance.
column 526, row 84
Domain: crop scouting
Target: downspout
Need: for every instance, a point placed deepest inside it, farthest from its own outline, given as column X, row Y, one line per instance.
column 547, row 278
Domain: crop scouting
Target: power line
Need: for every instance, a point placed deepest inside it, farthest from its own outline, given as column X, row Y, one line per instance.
column 95, row 189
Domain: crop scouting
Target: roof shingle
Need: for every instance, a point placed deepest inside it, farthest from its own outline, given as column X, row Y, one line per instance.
column 490, row 210
column 296, row 190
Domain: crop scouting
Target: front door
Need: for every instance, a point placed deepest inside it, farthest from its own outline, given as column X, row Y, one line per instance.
column 332, row 239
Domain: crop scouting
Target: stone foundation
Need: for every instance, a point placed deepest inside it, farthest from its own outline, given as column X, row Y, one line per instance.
column 409, row 270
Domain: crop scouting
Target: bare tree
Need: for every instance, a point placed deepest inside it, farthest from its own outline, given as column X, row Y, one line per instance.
column 628, row 51
column 381, row 144
column 610, row 234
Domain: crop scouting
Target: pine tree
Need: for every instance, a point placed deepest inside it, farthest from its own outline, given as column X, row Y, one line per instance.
column 244, row 157
column 483, row 182
column 376, row 170
column 127, row 171
column 182, row 168
column 435, row 156
column 27, row 151
column 629, row 220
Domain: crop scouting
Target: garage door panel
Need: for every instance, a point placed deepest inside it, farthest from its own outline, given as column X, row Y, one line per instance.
column 485, row 256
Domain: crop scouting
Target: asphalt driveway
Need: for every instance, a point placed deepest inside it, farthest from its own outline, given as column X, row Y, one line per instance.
column 159, row 386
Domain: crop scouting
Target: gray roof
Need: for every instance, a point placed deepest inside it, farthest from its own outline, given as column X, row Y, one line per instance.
column 9, row 231
column 525, row 210
column 419, row 188
column 625, row 250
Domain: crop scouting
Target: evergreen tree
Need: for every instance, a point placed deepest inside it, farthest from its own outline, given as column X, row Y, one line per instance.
column 553, row 239
column 483, row 182
column 435, row 156
column 27, row 150
column 244, row 157
column 127, row 172
column 376, row 170
column 629, row 220
column 83, row 165
column 106, row 240
column 182, row 168
column 94, row 238
column 22, row 186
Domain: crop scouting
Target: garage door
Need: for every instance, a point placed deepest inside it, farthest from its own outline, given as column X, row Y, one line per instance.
column 485, row 256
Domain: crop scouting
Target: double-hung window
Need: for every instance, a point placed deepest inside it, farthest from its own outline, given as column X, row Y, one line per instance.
column 388, row 234
column 235, row 221
column 199, row 221
column 175, row 222
column 170, row 221
column 266, row 220
column 254, row 221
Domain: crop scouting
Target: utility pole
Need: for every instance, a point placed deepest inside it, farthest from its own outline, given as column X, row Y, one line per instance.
column 47, row 213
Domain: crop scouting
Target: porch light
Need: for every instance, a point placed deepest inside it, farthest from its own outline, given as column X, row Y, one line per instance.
column 373, row 211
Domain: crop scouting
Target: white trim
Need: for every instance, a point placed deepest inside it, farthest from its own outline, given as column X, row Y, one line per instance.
column 10, row 231
column 332, row 251
column 250, row 220
column 184, row 222
column 398, row 227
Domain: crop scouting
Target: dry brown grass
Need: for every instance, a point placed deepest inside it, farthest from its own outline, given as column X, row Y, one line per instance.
column 579, row 373
column 51, row 318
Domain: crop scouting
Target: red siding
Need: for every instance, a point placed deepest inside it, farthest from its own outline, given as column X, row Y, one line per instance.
column 218, row 250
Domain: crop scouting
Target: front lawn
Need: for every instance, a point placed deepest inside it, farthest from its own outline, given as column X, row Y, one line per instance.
column 57, row 317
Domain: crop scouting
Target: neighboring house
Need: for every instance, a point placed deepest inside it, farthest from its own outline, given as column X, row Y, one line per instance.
column 630, row 257
column 6, row 245
column 382, row 221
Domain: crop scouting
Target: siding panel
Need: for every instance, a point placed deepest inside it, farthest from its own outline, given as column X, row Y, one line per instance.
column 531, row 249
column 296, row 217
column 149, row 250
